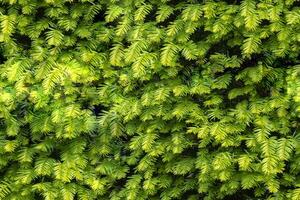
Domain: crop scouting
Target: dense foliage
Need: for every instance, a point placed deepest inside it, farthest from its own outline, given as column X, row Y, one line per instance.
column 157, row 99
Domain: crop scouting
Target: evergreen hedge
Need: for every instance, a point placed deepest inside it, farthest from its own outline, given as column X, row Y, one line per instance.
column 157, row 99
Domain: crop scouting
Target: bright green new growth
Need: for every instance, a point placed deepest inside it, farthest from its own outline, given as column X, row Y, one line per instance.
column 158, row 99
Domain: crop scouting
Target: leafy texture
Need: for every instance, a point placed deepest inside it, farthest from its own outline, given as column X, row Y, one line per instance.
column 160, row 99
